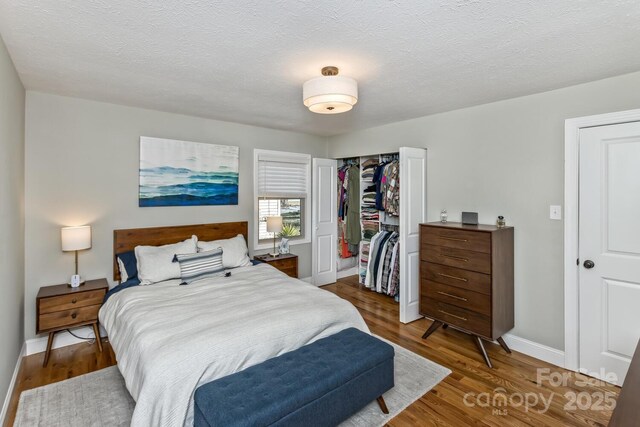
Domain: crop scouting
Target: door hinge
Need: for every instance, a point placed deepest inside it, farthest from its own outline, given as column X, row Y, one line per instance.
column 577, row 261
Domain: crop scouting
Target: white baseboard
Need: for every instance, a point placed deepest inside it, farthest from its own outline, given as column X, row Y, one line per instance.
column 346, row 273
column 62, row 339
column 12, row 384
column 533, row 349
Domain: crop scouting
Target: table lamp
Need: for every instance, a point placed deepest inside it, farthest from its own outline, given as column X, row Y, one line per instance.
column 76, row 239
column 274, row 225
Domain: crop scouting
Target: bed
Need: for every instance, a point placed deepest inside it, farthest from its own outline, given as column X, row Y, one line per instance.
column 170, row 339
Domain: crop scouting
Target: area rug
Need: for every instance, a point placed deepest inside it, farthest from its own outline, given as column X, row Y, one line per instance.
column 101, row 398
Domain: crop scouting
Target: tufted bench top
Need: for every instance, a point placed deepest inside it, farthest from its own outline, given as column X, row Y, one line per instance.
column 265, row 393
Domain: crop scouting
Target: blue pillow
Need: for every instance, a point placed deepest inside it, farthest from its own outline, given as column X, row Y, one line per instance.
column 130, row 264
column 122, row 286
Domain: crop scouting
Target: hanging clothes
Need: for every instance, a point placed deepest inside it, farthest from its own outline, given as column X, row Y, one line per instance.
column 377, row 180
column 353, row 233
column 387, row 266
column 391, row 188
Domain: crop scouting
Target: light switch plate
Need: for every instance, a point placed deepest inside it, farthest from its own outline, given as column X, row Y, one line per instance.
column 555, row 212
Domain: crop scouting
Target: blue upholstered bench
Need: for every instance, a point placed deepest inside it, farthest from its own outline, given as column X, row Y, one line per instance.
column 320, row 384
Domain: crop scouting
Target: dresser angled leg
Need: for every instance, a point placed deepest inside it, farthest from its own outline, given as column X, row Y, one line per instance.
column 96, row 332
column 504, row 345
column 435, row 325
column 445, row 326
column 482, row 350
column 48, row 351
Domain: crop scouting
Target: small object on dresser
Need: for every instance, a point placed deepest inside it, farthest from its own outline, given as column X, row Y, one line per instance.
column 470, row 218
column 500, row 222
column 284, row 246
column 60, row 307
column 443, row 216
column 287, row 263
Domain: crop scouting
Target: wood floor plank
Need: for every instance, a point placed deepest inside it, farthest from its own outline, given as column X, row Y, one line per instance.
column 513, row 374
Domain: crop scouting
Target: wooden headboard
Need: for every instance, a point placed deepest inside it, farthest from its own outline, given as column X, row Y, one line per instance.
column 127, row 240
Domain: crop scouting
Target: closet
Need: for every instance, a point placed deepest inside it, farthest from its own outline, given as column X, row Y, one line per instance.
column 370, row 220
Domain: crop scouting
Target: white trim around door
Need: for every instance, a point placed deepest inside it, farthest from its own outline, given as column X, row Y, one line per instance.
column 571, row 186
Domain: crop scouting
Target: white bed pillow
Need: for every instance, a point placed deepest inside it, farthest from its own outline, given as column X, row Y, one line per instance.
column 155, row 263
column 234, row 251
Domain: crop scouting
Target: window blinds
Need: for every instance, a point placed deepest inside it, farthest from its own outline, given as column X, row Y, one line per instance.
column 283, row 175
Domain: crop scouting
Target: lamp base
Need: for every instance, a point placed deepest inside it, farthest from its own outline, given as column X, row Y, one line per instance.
column 274, row 254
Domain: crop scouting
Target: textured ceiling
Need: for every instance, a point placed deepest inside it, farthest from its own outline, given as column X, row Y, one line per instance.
column 245, row 61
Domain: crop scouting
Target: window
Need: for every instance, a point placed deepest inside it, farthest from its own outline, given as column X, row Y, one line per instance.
column 281, row 188
column 292, row 212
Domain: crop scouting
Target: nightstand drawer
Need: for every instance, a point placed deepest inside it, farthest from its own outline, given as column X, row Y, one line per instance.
column 285, row 263
column 291, row 271
column 67, row 302
column 59, row 319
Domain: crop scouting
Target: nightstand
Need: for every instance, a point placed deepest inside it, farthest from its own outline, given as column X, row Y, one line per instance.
column 61, row 307
column 287, row 263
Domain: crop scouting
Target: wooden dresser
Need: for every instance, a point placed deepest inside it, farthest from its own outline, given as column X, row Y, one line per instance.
column 62, row 307
column 466, row 280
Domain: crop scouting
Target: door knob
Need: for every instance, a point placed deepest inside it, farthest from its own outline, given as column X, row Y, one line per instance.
column 589, row 264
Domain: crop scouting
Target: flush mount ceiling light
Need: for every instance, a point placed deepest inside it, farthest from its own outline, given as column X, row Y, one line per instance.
column 330, row 94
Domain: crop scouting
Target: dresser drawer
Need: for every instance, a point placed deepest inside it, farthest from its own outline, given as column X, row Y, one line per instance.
column 459, row 239
column 469, row 300
column 66, row 302
column 470, row 280
column 468, row 320
column 460, row 258
column 71, row 317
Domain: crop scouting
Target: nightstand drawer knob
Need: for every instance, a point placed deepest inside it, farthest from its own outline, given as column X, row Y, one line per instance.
column 73, row 301
column 74, row 315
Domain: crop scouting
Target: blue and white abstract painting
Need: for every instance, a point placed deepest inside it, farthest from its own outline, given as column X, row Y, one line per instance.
column 183, row 173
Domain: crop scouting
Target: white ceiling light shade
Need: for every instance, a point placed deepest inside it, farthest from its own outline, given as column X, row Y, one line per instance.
column 330, row 94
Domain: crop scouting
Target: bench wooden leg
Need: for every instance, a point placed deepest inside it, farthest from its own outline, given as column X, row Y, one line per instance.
column 382, row 404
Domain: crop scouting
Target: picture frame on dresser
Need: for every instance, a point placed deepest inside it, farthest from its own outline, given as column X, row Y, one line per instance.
column 467, row 280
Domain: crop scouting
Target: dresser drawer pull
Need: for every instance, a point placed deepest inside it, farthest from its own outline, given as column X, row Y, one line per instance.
column 73, row 301
column 459, row 258
column 454, row 239
column 453, row 315
column 74, row 315
column 462, row 279
column 452, row 296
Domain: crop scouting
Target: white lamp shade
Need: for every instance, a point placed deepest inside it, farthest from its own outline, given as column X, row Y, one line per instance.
column 76, row 238
column 274, row 224
column 330, row 94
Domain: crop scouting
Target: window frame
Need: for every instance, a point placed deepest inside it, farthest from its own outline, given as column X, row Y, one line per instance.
column 306, row 214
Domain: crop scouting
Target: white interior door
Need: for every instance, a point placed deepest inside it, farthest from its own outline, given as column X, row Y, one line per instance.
column 609, row 248
column 324, row 221
column 413, row 211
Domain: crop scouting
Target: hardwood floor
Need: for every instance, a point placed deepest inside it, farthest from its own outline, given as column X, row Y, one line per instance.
column 513, row 378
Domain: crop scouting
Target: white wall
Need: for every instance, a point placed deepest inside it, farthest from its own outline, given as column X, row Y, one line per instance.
column 506, row 158
column 11, row 217
column 82, row 160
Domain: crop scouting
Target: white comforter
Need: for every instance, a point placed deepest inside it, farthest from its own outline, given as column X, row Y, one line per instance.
column 170, row 339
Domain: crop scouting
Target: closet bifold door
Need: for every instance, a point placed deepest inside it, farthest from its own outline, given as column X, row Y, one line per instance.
column 324, row 222
column 413, row 212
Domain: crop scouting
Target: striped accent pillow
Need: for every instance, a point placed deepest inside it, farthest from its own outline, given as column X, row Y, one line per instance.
column 200, row 265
